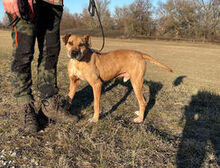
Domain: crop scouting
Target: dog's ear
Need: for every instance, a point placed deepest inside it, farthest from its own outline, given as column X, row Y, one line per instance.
column 66, row 37
column 87, row 40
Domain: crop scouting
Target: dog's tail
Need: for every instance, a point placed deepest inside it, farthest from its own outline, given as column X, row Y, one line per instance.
column 152, row 60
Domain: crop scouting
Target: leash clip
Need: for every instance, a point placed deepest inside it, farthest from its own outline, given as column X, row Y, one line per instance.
column 92, row 7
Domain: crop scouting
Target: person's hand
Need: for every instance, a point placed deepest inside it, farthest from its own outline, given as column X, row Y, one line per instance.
column 11, row 6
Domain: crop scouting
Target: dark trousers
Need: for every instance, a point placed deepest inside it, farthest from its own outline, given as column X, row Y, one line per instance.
column 45, row 29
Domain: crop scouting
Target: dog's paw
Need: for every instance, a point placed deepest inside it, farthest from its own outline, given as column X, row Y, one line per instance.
column 92, row 120
column 138, row 120
column 137, row 112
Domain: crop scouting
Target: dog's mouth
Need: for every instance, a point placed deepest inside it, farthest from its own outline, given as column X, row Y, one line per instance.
column 76, row 54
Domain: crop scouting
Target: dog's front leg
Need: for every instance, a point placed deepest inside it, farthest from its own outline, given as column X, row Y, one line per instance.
column 97, row 94
column 74, row 82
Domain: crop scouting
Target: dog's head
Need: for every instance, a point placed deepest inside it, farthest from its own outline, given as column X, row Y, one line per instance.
column 76, row 46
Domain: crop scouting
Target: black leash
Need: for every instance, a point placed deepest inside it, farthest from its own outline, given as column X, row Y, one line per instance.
column 13, row 21
column 92, row 10
column 24, row 10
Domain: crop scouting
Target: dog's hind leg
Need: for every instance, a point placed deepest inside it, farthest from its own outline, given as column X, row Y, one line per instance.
column 137, row 85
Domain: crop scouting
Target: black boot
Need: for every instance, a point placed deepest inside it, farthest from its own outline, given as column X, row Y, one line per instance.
column 30, row 119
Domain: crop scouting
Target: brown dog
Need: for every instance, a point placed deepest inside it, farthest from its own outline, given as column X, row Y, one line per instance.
column 95, row 68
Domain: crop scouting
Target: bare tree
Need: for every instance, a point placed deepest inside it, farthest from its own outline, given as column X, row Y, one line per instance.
column 189, row 19
column 178, row 18
column 135, row 19
column 209, row 18
column 5, row 21
column 70, row 21
column 105, row 16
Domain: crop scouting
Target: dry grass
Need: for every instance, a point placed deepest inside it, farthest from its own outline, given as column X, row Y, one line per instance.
column 181, row 128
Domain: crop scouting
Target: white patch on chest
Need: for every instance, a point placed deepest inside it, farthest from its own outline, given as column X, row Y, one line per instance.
column 75, row 71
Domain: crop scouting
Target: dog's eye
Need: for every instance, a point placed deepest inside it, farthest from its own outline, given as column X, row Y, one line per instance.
column 70, row 43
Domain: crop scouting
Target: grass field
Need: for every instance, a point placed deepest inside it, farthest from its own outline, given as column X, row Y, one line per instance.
column 181, row 128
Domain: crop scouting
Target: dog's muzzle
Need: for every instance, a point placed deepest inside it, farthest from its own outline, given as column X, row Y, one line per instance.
column 76, row 54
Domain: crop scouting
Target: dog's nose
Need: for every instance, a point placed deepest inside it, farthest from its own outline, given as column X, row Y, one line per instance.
column 74, row 53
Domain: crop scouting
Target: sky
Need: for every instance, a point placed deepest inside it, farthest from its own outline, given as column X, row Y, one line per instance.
column 77, row 6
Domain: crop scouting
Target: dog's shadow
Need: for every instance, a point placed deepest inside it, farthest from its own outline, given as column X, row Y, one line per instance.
column 154, row 88
column 84, row 97
column 179, row 80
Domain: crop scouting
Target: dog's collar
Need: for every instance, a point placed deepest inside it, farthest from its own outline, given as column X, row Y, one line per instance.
column 94, row 51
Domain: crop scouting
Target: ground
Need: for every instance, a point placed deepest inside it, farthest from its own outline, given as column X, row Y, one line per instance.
column 181, row 127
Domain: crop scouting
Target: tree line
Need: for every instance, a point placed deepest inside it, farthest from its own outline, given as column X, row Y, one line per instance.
column 172, row 19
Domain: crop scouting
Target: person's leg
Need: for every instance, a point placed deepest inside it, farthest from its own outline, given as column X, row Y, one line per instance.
column 23, row 37
column 23, row 48
column 48, row 36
